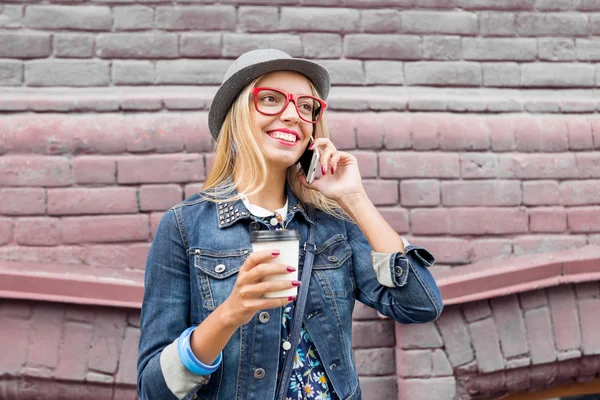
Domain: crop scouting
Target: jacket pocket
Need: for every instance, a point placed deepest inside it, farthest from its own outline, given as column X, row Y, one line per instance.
column 332, row 267
column 216, row 272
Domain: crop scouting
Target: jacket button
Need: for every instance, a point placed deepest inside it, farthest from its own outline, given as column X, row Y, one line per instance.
column 259, row 373
column 332, row 258
column 398, row 270
column 263, row 317
column 254, row 226
column 286, row 345
column 220, row 268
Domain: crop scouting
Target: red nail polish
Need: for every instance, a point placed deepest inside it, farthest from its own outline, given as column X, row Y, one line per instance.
column 276, row 253
column 323, row 170
column 291, row 269
column 296, row 283
column 292, row 298
column 332, row 171
column 311, row 147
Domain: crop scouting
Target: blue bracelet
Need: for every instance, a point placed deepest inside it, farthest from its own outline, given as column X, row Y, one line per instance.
column 189, row 359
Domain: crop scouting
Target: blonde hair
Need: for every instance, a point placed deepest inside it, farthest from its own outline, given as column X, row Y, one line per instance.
column 237, row 151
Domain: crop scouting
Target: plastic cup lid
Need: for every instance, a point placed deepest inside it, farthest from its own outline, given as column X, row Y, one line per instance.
column 275, row 236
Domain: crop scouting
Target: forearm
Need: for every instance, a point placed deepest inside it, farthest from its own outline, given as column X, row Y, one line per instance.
column 380, row 235
column 211, row 336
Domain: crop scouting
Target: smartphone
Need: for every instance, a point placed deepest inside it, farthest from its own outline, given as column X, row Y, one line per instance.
column 308, row 162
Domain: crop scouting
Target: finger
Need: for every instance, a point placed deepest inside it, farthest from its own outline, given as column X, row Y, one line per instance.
column 335, row 158
column 322, row 142
column 265, row 304
column 326, row 155
column 258, row 257
column 260, row 289
column 261, row 270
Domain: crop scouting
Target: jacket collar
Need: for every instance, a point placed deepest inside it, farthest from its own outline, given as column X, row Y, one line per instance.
column 229, row 213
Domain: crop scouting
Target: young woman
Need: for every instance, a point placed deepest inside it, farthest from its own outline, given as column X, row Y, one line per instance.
column 207, row 329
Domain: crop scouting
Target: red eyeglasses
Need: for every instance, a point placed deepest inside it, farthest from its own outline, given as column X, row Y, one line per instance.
column 270, row 101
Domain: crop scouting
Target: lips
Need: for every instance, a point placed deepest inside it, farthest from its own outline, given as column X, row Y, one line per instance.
column 284, row 136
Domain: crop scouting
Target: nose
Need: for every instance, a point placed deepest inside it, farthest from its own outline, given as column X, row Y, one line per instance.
column 290, row 114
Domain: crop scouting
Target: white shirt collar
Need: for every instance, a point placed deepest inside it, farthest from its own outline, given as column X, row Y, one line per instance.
column 263, row 212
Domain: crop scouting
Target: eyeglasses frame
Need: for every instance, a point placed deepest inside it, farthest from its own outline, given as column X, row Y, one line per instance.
column 289, row 97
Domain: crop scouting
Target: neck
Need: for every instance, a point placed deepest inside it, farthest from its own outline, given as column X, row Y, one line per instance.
column 272, row 196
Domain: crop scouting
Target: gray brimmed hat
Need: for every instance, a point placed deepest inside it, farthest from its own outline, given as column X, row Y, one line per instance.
column 250, row 66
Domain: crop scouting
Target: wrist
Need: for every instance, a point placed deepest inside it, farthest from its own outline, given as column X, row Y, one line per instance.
column 226, row 316
column 351, row 200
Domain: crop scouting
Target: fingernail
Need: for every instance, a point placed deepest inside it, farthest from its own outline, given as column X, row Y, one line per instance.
column 332, row 171
column 291, row 269
column 296, row 283
column 311, row 147
column 275, row 253
column 291, row 298
column 323, row 170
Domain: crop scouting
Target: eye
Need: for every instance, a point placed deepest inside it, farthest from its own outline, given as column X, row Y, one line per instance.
column 269, row 98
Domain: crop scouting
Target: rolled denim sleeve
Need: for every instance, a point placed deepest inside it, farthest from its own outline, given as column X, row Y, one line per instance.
column 165, row 315
column 398, row 285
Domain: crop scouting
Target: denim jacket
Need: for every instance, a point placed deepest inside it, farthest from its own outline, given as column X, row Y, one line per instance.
column 192, row 266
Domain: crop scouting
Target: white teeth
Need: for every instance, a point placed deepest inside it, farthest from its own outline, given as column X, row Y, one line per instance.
column 288, row 137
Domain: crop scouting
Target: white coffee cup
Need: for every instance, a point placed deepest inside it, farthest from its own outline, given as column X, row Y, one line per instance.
column 287, row 241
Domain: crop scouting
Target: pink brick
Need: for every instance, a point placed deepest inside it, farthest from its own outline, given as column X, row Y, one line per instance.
column 541, row 134
column 555, row 134
column 97, row 133
column 77, row 339
column 590, row 325
column 539, row 336
column 588, row 164
column 192, row 188
column 106, row 256
column 424, row 132
column 545, row 166
column 125, row 228
column 363, row 312
column 14, row 352
column 34, row 170
column 420, row 193
column 396, row 217
column 154, row 221
column 481, row 193
column 159, row 197
column 77, row 201
column 382, row 192
column 413, row 363
column 580, row 133
column 109, row 329
column 418, row 336
column 578, row 193
column 462, row 133
column 486, row 165
column 136, row 254
column 15, row 308
column 59, row 254
column 476, row 310
column 418, row 165
column 547, row 219
column 37, row 231
column 45, row 336
column 397, row 131
column 36, row 133
column 210, row 159
column 541, row 193
column 6, row 230
column 533, row 299
column 160, row 168
column 127, row 373
column 587, row 289
column 433, row 221
column 367, row 163
column 510, row 325
column 535, row 244
column 446, row 250
column 159, row 132
column 342, row 130
column 502, row 133
column 431, row 388
column 584, row 219
column 369, row 131
column 455, row 335
column 490, row 249
column 565, row 324
column 26, row 201
column 486, row 345
column 595, row 122
column 482, row 221
column 94, row 170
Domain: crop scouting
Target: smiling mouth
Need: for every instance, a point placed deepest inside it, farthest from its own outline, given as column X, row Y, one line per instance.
column 286, row 137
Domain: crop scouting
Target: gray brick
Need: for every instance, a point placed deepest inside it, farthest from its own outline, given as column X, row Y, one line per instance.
column 72, row 45
column 391, row 47
column 586, row 5
column 487, row 346
column 595, row 24
column 588, row 50
column 137, row 45
column 11, row 72
column 201, row 44
column 501, row 74
column 24, row 45
column 133, row 72
column 345, row 72
column 133, row 18
column 442, row 48
column 380, row 3
column 84, row 18
column 236, row 44
column 443, row 73
column 497, row 5
column 539, row 336
column 499, row 49
column 322, row 45
column 191, row 72
column 258, row 19
column 510, row 324
column 384, row 73
column 381, row 21
column 320, row 19
column 553, row 5
column 206, row 18
column 439, row 22
column 67, row 73
column 552, row 24
column 557, row 75
column 497, row 24
column 380, row 388
column 437, row 4
column 373, row 334
column 556, row 49
column 11, row 16
column 375, row 362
